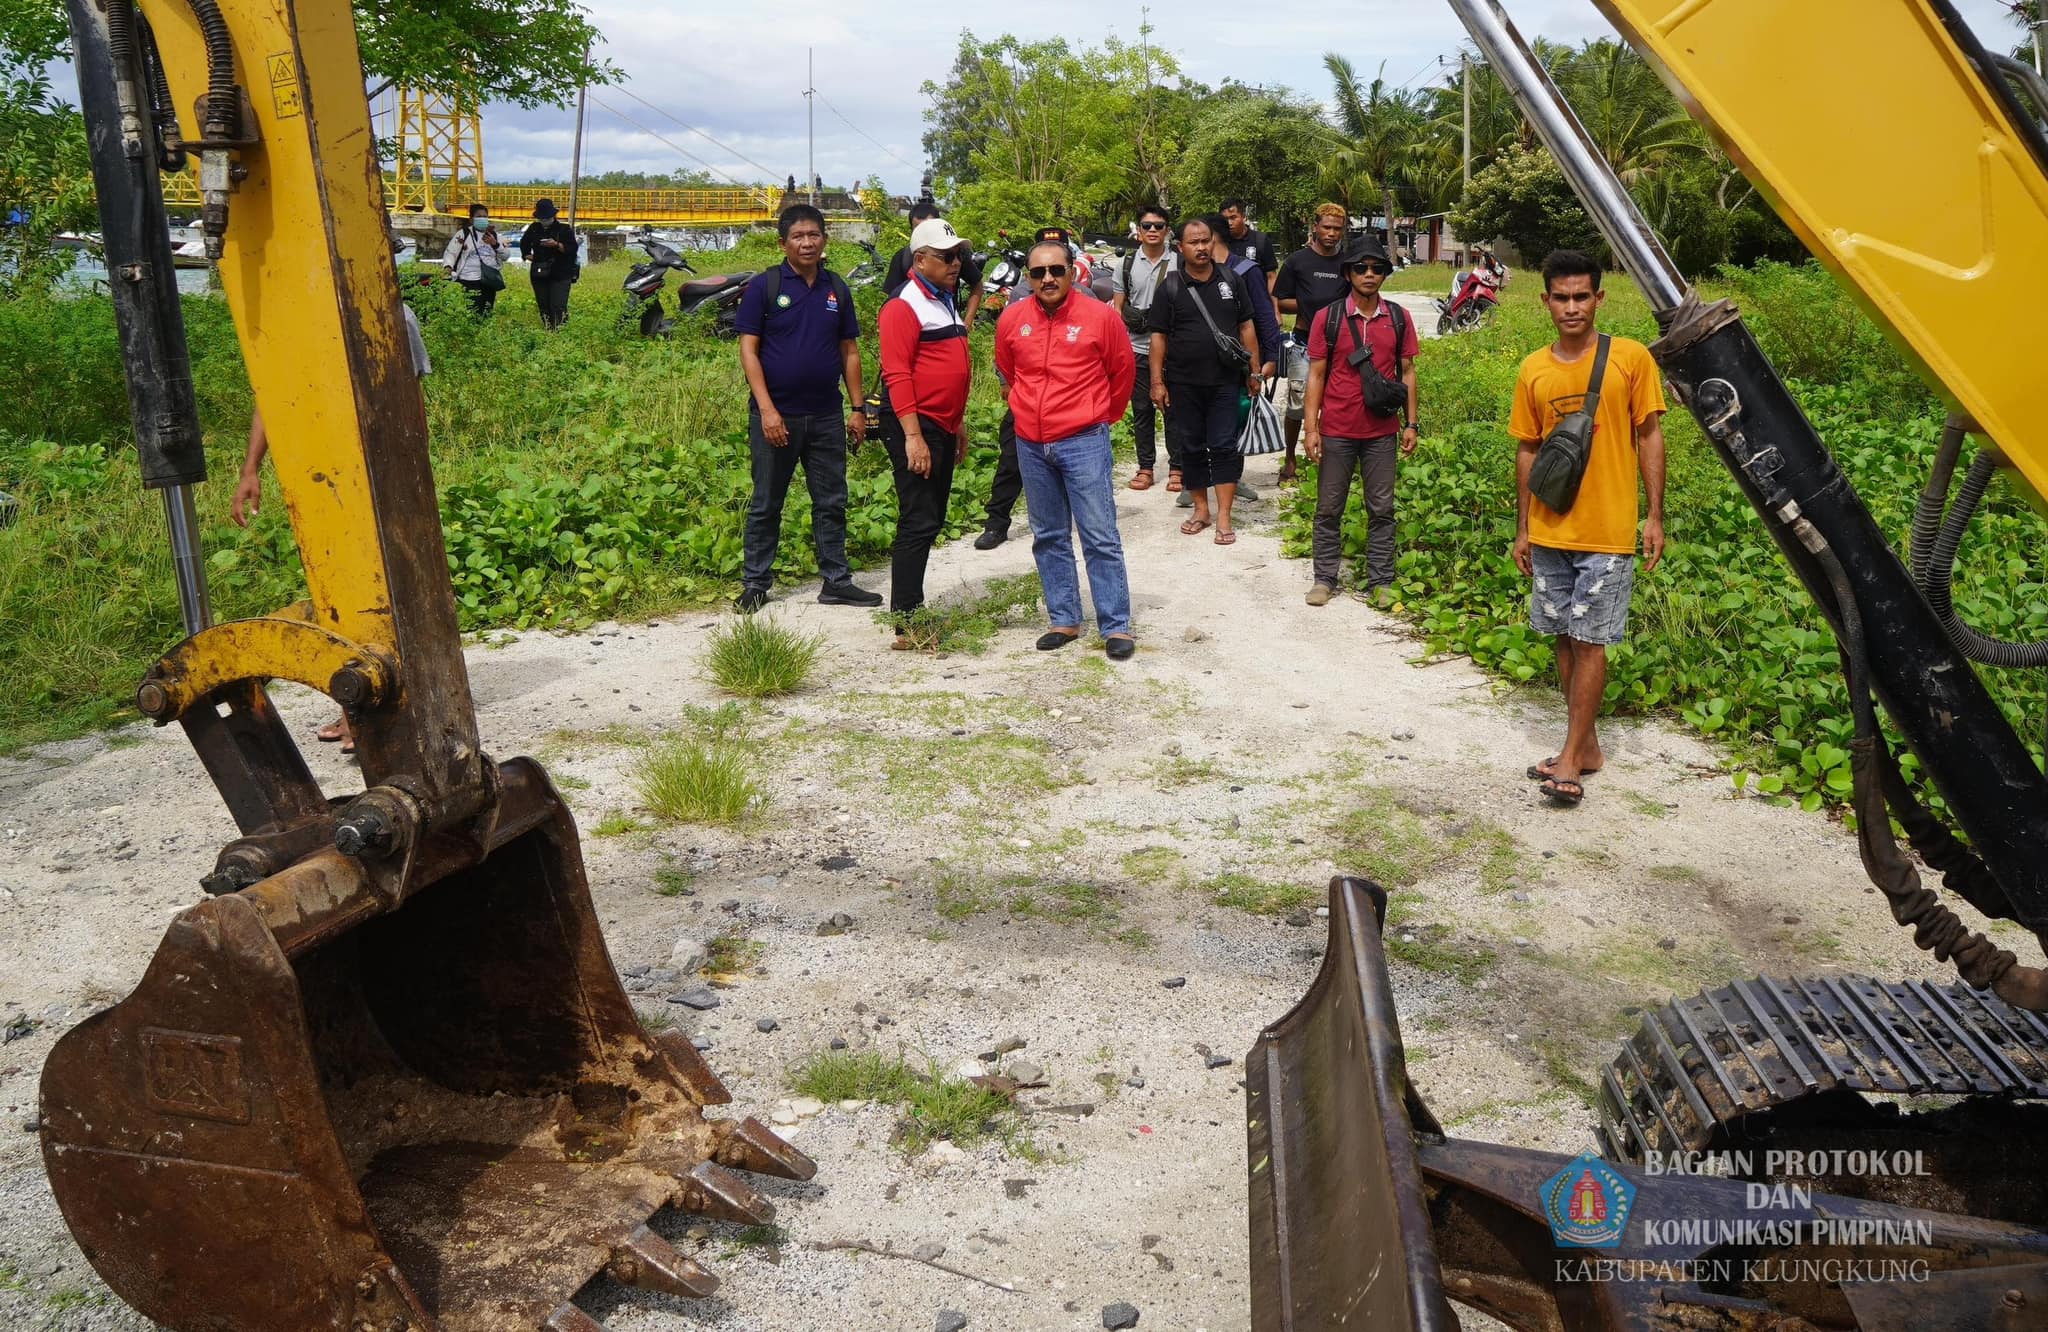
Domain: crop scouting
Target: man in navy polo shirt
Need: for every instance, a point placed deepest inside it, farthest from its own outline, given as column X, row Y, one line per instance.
column 799, row 340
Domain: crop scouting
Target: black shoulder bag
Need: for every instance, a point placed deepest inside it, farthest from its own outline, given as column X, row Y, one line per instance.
column 1383, row 396
column 1561, row 459
column 1232, row 351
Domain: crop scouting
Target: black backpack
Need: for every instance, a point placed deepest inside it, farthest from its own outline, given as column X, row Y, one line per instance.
column 774, row 289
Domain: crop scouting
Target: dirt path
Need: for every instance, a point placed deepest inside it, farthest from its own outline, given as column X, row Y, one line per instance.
column 1038, row 843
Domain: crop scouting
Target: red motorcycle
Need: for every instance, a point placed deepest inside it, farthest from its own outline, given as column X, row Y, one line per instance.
column 1475, row 293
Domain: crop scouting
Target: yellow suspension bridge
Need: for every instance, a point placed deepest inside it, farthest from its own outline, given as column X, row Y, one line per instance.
column 437, row 166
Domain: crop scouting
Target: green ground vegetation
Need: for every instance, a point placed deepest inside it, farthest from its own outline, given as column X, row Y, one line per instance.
column 705, row 773
column 935, row 1104
column 1721, row 635
column 754, row 656
column 617, row 491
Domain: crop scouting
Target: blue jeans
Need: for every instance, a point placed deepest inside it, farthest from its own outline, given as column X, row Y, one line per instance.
column 1067, row 485
column 1581, row 594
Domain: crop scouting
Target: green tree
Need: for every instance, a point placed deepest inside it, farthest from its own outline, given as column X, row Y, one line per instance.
column 1524, row 199
column 45, row 173
column 1266, row 148
column 1630, row 116
column 1380, row 126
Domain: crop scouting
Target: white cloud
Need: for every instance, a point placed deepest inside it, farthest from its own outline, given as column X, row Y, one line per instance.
column 737, row 72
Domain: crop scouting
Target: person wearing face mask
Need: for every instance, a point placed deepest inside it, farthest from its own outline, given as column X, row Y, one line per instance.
column 1068, row 364
column 549, row 247
column 475, row 257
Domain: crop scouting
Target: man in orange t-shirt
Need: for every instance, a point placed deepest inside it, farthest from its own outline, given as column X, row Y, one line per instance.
column 1583, row 561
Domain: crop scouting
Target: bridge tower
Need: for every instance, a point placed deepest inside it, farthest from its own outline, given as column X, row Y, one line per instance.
column 438, row 163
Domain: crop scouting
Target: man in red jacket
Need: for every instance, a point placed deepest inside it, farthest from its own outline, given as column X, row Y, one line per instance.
column 1068, row 363
column 925, row 374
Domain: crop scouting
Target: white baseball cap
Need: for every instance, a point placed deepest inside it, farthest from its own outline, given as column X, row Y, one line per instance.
column 935, row 233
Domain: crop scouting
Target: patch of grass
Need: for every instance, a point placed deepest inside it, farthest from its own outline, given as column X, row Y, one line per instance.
column 731, row 952
column 11, row 1279
column 71, row 1297
column 853, row 1075
column 960, row 893
column 935, row 1105
column 617, row 823
column 1640, row 960
column 1432, row 948
column 684, row 779
column 1180, row 771
column 770, row 1236
column 1067, row 903
column 1559, row 1066
column 569, row 782
column 996, row 769
column 1151, row 864
column 1135, row 936
column 123, row 740
column 1092, row 677
column 656, row 1019
column 970, row 625
column 1388, row 840
column 1258, row 896
column 755, row 656
column 672, row 880
column 1675, row 874
column 940, row 709
column 1644, row 807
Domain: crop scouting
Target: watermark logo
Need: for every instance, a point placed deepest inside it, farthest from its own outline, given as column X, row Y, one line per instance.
column 1587, row 1204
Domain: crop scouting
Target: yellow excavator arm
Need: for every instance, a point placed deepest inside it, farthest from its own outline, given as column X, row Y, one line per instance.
column 1881, row 136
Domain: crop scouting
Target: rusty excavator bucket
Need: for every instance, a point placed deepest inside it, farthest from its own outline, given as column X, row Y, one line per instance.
column 317, row 1113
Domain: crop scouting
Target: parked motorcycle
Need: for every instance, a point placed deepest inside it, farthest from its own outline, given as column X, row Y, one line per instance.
column 1475, row 293
column 999, row 278
column 644, row 284
column 869, row 270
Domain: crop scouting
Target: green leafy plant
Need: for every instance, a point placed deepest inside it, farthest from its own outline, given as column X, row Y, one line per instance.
column 756, row 657
column 684, row 779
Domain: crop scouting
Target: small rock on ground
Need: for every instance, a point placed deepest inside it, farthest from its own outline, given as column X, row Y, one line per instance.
column 699, row 999
column 1174, row 982
column 950, row 1320
column 1119, row 1314
column 1216, row 1061
column 1024, row 1072
column 929, row 1252
column 766, row 1024
column 687, row 955
column 838, row 923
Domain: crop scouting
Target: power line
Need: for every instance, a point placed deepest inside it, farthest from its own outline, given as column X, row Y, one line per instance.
column 858, row 130
column 671, row 143
column 1435, row 62
column 694, row 130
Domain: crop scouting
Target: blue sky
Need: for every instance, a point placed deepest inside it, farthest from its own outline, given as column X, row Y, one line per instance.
column 737, row 73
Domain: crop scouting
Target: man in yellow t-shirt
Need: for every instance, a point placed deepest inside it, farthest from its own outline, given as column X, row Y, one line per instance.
column 1583, row 561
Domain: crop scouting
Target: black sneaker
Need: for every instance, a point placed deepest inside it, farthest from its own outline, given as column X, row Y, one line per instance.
column 848, row 593
column 991, row 537
column 750, row 600
column 1120, row 649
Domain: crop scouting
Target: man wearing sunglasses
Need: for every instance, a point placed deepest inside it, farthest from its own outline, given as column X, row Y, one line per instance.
column 1067, row 366
column 1308, row 281
column 1137, row 281
column 1360, row 349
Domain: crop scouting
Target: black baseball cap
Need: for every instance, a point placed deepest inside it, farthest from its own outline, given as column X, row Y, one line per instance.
column 1363, row 252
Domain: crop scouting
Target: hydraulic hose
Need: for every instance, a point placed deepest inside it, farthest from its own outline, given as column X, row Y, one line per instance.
column 1938, row 536
column 163, row 111
column 223, row 109
column 1936, row 929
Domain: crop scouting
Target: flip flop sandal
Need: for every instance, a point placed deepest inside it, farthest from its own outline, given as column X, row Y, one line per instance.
column 1173, row 479
column 1225, row 538
column 1193, row 526
column 1540, row 773
column 1143, row 480
column 348, row 747
column 330, row 733
column 1562, row 793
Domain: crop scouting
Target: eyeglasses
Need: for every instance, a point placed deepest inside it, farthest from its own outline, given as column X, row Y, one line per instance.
column 1377, row 270
column 1044, row 271
column 1151, row 226
column 943, row 256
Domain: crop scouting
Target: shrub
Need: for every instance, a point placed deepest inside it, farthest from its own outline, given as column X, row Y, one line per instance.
column 685, row 779
column 755, row 657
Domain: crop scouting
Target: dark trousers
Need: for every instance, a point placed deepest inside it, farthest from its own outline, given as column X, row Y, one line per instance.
column 1374, row 460
column 1202, row 424
column 482, row 299
column 552, row 296
column 1009, row 482
column 1145, row 421
column 819, row 443
column 920, row 509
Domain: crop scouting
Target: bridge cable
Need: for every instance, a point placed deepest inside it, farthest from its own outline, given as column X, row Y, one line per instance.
column 863, row 133
column 728, row 178
column 694, row 130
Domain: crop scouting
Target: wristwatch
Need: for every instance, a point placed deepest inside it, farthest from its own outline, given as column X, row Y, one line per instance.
column 1416, row 426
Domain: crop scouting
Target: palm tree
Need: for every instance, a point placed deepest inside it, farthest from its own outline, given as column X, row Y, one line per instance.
column 1376, row 127
column 1631, row 117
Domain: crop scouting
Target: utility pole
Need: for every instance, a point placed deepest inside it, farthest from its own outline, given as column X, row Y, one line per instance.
column 811, row 122
column 1465, row 77
column 576, row 156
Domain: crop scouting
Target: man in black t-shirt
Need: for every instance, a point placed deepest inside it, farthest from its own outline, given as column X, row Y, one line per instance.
column 970, row 272
column 1196, row 380
column 1247, row 241
column 1309, row 280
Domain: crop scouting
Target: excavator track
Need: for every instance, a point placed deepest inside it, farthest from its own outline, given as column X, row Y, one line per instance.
column 1699, row 1067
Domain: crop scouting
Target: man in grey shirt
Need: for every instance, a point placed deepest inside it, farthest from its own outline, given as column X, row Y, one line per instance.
column 1136, row 277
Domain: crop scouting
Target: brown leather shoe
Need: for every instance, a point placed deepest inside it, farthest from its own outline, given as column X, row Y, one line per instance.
column 1320, row 594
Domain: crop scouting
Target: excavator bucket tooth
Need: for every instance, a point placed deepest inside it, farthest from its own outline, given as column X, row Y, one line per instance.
column 1340, row 1227
column 646, row 1260
column 709, row 1189
column 752, row 1145
column 690, row 1066
column 568, row 1318
column 313, row 1082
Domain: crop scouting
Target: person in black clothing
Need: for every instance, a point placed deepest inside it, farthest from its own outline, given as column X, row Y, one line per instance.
column 548, row 245
column 1248, row 241
column 1309, row 280
column 1196, row 376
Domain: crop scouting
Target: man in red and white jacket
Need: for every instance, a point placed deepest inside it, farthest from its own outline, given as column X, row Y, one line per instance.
column 1068, row 364
column 925, row 376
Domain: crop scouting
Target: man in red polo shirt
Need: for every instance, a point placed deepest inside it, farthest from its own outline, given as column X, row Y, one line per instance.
column 925, row 375
column 1341, row 430
column 1069, row 365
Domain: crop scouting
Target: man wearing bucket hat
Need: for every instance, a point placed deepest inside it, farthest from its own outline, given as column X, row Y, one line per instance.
column 548, row 245
column 1361, row 363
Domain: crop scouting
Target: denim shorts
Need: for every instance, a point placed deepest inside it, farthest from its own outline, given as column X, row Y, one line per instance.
column 1581, row 594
